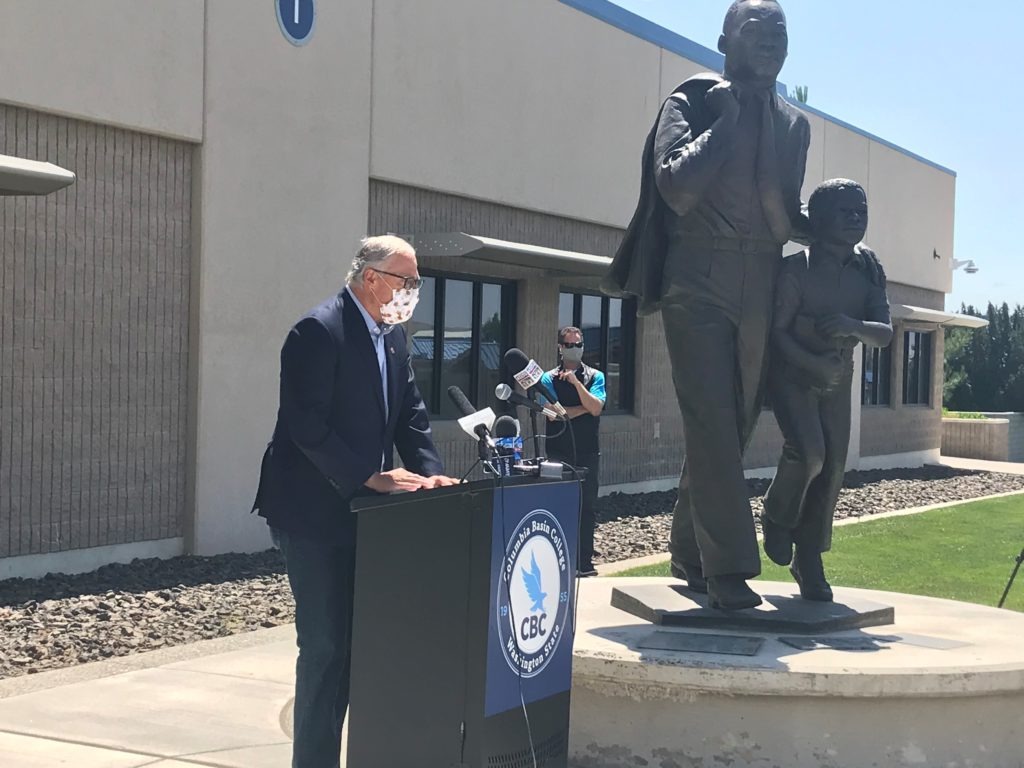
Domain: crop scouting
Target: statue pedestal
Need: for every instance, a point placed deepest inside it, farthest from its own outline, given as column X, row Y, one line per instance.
column 943, row 685
column 673, row 605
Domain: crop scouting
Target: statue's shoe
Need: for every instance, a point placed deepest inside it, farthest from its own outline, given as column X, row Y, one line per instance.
column 731, row 593
column 778, row 541
column 809, row 573
column 693, row 575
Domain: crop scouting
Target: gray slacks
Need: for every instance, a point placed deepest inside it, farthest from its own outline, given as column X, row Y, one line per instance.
column 717, row 316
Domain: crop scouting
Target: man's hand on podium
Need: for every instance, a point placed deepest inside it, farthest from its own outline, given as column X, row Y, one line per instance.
column 403, row 480
column 442, row 481
column 397, row 480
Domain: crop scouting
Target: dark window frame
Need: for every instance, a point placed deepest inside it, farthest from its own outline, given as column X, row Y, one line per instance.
column 880, row 394
column 626, row 404
column 508, row 325
column 918, row 393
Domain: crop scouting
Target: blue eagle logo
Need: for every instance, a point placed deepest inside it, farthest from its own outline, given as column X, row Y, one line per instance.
column 531, row 579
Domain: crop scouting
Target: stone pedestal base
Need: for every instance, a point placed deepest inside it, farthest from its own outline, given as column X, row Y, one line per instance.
column 943, row 686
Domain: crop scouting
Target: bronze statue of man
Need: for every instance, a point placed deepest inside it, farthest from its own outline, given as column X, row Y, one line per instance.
column 720, row 196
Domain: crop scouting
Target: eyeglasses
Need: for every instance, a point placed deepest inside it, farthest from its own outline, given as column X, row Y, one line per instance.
column 409, row 283
column 571, row 344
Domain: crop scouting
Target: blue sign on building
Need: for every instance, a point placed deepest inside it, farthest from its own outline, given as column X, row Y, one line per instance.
column 296, row 18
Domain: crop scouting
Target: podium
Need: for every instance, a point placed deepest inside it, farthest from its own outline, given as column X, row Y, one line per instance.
column 463, row 626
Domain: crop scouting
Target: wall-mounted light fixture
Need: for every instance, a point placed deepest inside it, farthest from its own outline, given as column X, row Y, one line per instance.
column 19, row 176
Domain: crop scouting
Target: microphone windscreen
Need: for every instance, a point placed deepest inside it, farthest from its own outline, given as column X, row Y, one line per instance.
column 506, row 426
column 516, row 360
column 458, row 397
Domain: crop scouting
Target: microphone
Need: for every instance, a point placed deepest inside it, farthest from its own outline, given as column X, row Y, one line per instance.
column 506, row 426
column 504, row 393
column 528, row 375
column 508, row 446
column 473, row 422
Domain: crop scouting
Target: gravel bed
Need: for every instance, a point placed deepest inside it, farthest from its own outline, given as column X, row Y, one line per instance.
column 59, row 621
column 638, row 525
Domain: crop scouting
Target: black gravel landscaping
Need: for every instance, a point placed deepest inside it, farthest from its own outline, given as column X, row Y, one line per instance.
column 59, row 621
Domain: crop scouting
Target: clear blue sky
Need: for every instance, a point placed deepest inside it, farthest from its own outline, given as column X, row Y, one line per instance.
column 944, row 85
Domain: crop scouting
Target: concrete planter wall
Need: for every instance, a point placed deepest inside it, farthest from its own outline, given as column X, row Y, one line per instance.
column 999, row 437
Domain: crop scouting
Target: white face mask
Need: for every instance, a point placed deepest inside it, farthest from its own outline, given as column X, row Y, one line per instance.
column 572, row 355
column 403, row 303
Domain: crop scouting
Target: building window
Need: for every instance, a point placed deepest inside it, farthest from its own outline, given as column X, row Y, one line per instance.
column 609, row 330
column 917, row 368
column 458, row 336
column 876, row 381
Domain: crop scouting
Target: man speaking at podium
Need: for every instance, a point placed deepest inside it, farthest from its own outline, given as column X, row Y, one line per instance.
column 347, row 399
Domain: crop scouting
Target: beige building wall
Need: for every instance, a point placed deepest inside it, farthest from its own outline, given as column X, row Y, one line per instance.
column 282, row 187
column 912, row 209
column 94, row 298
column 529, row 103
column 125, row 63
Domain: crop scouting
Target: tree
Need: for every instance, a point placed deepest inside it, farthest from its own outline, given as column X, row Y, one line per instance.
column 800, row 93
column 985, row 367
column 491, row 329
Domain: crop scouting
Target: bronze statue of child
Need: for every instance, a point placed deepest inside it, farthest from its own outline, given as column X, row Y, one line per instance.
column 829, row 298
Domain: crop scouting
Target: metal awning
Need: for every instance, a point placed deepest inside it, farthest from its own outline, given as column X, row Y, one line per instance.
column 31, row 177
column 906, row 312
column 505, row 252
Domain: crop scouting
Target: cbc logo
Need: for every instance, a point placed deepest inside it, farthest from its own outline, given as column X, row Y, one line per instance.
column 533, row 596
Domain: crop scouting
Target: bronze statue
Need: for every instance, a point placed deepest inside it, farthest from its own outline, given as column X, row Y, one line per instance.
column 828, row 299
column 720, row 196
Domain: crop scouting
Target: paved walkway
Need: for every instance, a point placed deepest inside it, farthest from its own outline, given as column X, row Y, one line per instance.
column 1009, row 467
column 220, row 703
column 223, row 703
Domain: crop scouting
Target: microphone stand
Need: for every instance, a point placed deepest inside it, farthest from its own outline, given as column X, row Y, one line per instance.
column 536, row 439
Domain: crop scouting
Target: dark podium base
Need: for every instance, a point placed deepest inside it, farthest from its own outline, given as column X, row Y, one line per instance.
column 676, row 606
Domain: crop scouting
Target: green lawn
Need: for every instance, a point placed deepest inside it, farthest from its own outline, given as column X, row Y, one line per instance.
column 963, row 553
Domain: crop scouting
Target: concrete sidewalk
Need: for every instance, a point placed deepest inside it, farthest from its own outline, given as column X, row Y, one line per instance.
column 223, row 703
column 1007, row 467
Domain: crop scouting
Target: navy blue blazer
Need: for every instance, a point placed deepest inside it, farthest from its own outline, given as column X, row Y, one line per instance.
column 331, row 429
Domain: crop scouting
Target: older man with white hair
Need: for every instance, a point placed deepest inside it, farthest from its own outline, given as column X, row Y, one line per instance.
column 347, row 399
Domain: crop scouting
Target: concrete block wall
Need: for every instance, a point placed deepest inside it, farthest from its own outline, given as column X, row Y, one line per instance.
column 986, row 439
column 94, row 302
column 1000, row 437
column 1015, row 450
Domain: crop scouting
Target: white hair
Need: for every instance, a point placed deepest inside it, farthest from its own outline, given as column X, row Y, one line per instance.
column 374, row 252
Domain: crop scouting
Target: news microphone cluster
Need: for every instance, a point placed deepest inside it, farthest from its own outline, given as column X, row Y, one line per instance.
column 528, row 375
column 505, row 393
